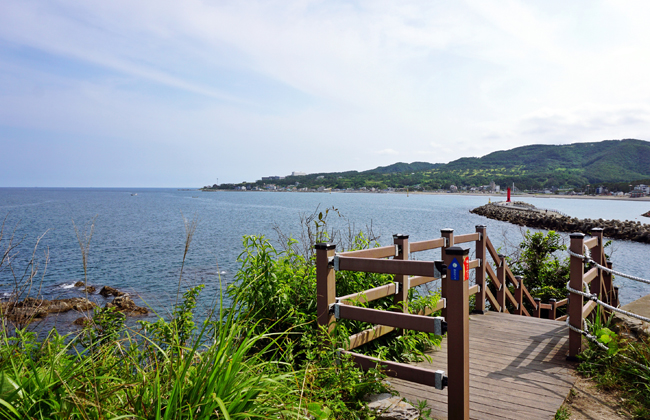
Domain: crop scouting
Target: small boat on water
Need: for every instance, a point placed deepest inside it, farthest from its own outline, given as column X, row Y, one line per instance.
column 134, row 193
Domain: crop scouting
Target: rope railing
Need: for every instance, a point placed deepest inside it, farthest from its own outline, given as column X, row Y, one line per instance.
column 594, row 297
column 587, row 258
column 595, row 340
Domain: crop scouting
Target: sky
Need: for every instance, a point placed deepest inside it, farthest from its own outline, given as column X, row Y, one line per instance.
column 158, row 93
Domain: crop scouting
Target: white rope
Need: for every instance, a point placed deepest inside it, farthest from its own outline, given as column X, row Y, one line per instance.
column 595, row 340
column 587, row 258
column 594, row 297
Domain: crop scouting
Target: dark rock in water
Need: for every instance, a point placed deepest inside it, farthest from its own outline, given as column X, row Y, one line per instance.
column 531, row 217
column 89, row 289
column 646, row 214
column 79, row 284
column 31, row 308
column 126, row 305
column 83, row 321
column 110, row 291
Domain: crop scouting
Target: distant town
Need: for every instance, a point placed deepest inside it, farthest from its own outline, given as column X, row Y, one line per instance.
column 266, row 183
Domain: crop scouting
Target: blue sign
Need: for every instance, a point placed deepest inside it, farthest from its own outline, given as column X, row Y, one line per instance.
column 455, row 269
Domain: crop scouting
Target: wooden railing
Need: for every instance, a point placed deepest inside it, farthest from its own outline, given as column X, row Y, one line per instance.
column 492, row 289
column 599, row 281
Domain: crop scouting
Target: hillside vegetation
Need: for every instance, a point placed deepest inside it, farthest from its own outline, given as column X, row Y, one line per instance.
column 609, row 162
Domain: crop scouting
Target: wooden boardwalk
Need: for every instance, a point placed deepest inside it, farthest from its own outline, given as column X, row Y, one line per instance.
column 518, row 369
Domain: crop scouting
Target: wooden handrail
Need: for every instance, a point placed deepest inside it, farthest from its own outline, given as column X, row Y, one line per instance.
column 409, row 373
column 493, row 276
column 469, row 237
column 590, row 275
column 380, row 252
column 366, row 336
column 590, row 243
column 493, row 252
column 420, row 280
column 404, row 267
column 369, row 295
column 426, row 245
column 474, row 264
column 493, row 300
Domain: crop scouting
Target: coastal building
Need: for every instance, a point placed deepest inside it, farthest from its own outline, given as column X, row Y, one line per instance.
column 298, row 174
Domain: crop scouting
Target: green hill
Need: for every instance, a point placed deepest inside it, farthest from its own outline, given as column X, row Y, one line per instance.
column 609, row 162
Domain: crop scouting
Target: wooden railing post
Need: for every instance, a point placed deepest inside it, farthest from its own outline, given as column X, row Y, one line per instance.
column 577, row 270
column 597, row 255
column 501, row 276
column 552, row 314
column 401, row 297
column 457, row 332
column 448, row 234
column 608, row 285
column 519, row 295
column 325, row 285
column 481, row 252
column 538, row 307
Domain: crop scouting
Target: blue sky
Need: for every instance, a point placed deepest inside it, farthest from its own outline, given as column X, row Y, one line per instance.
column 180, row 94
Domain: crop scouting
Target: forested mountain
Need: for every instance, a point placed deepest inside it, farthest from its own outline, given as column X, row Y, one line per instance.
column 528, row 167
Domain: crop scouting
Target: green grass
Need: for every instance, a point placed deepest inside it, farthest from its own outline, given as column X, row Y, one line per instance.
column 625, row 368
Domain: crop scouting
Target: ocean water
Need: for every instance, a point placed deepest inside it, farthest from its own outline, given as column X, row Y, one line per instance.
column 138, row 241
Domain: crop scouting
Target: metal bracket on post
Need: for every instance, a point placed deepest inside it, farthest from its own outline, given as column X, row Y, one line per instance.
column 440, row 379
column 396, row 287
column 398, row 249
column 333, row 262
column 334, row 307
column 439, row 269
column 439, row 326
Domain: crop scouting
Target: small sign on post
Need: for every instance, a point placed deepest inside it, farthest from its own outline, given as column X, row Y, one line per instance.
column 466, row 268
column 455, row 269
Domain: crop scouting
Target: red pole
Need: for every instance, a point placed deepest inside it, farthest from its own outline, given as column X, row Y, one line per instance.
column 508, row 195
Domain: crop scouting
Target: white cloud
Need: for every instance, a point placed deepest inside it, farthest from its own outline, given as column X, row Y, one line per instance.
column 245, row 80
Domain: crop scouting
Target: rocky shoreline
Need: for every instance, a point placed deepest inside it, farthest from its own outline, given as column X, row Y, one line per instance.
column 524, row 214
column 32, row 309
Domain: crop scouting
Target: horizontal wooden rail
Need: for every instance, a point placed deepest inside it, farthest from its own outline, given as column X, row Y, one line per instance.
column 474, row 290
column 562, row 318
column 391, row 319
column 426, row 245
column 590, row 275
column 406, row 267
column 420, row 280
column 469, row 237
column 396, row 370
column 561, row 302
column 474, row 264
column 369, row 295
column 546, row 306
column 590, row 243
column 380, row 252
column 428, row 311
column 590, row 306
column 365, row 336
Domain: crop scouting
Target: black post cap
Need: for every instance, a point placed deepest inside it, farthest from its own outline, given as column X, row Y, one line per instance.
column 400, row 236
column 447, row 230
column 456, row 250
column 325, row 245
column 577, row 235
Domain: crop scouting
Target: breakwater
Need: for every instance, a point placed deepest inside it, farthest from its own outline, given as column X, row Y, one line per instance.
column 524, row 214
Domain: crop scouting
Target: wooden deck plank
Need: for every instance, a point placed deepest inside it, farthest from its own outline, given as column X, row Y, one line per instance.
column 518, row 369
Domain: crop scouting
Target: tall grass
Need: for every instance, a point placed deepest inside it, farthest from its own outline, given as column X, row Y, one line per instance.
column 237, row 363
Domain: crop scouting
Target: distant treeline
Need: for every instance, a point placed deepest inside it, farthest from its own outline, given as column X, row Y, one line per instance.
column 613, row 164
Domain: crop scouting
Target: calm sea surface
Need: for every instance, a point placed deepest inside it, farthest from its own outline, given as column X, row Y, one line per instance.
column 138, row 240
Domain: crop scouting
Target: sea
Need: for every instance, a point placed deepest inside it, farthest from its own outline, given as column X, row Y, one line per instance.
column 135, row 239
